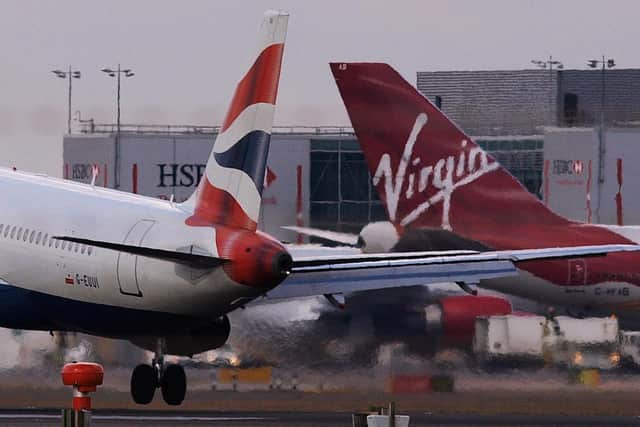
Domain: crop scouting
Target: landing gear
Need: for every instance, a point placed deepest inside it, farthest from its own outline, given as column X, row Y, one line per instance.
column 173, row 385
column 143, row 384
column 470, row 288
column 170, row 379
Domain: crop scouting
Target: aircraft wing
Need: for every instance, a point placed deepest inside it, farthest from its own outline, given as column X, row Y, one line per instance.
column 361, row 272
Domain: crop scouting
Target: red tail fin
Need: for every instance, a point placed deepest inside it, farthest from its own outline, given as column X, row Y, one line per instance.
column 429, row 173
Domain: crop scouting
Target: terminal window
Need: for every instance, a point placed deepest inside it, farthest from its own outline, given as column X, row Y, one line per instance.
column 342, row 197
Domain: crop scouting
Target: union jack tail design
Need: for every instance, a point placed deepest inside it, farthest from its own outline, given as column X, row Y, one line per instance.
column 230, row 191
column 428, row 172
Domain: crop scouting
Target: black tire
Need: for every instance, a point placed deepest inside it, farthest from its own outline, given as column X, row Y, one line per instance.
column 143, row 384
column 174, row 385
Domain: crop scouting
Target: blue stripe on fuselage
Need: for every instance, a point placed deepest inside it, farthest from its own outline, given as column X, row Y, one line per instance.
column 249, row 155
column 24, row 309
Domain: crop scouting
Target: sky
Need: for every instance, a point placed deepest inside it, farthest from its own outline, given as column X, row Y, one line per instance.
column 188, row 55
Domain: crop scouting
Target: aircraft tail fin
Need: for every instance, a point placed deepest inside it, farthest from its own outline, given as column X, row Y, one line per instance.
column 428, row 172
column 230, row 191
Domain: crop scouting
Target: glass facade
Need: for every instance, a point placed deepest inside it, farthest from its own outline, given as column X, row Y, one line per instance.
column 342, row 197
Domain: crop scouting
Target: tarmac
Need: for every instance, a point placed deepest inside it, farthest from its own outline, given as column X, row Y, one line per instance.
column 45, row 418
column 540, row 398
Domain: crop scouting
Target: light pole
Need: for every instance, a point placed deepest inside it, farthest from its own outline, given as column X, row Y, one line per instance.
column 71, row 74
column 117, row 73
column 551, row 63
column 605, row 63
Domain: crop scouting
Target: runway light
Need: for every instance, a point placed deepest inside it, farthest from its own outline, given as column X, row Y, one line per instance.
column 614, row 358
column 578, row 358
column 234, row 361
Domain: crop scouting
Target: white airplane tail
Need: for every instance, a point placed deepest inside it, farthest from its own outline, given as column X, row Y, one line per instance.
column 230, row 191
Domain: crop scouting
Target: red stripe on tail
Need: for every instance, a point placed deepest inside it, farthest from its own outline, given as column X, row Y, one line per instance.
column 260, row 84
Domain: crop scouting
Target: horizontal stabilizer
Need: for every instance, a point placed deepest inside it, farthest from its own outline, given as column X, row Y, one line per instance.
column 346, row 239
column 186, row 258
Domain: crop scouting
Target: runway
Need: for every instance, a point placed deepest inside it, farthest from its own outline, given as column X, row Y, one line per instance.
column 51, row 417
column 540, row 398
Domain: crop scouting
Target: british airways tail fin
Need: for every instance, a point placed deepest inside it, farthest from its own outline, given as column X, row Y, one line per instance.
column 428, row 172
column 230, row 191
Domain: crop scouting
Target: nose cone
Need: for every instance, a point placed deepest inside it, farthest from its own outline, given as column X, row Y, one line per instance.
column 255, row 259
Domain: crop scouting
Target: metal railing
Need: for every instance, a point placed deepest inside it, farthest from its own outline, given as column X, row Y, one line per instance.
column 89, row 127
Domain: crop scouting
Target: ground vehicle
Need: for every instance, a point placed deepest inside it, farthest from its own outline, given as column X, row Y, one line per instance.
column 630, row 347
column 561, row 340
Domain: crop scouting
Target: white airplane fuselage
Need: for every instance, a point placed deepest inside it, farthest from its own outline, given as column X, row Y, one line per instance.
column 99, row 290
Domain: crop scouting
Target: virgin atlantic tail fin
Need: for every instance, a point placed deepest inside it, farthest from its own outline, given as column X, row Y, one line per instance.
column 429, row 173
column 230, row 191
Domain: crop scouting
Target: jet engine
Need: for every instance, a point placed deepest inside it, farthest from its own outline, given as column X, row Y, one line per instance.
column 190, row 342
column 453, row 318
column 378, row 237
column 427, row 327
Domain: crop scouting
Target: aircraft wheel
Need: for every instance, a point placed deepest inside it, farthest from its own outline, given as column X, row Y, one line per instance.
column 143, row 384
column 174, row 385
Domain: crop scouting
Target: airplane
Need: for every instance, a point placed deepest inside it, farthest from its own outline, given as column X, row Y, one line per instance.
column 76, row 257
column 442, row 191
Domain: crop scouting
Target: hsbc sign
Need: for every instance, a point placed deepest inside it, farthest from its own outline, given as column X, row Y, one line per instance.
column 568, row 167
column 189, row 175
column 81, row 171
column 180, row 175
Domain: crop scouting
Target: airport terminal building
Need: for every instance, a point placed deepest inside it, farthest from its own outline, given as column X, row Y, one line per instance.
column 524, row 102
column 529, row 120
column 588, row 119
column 316, row 176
